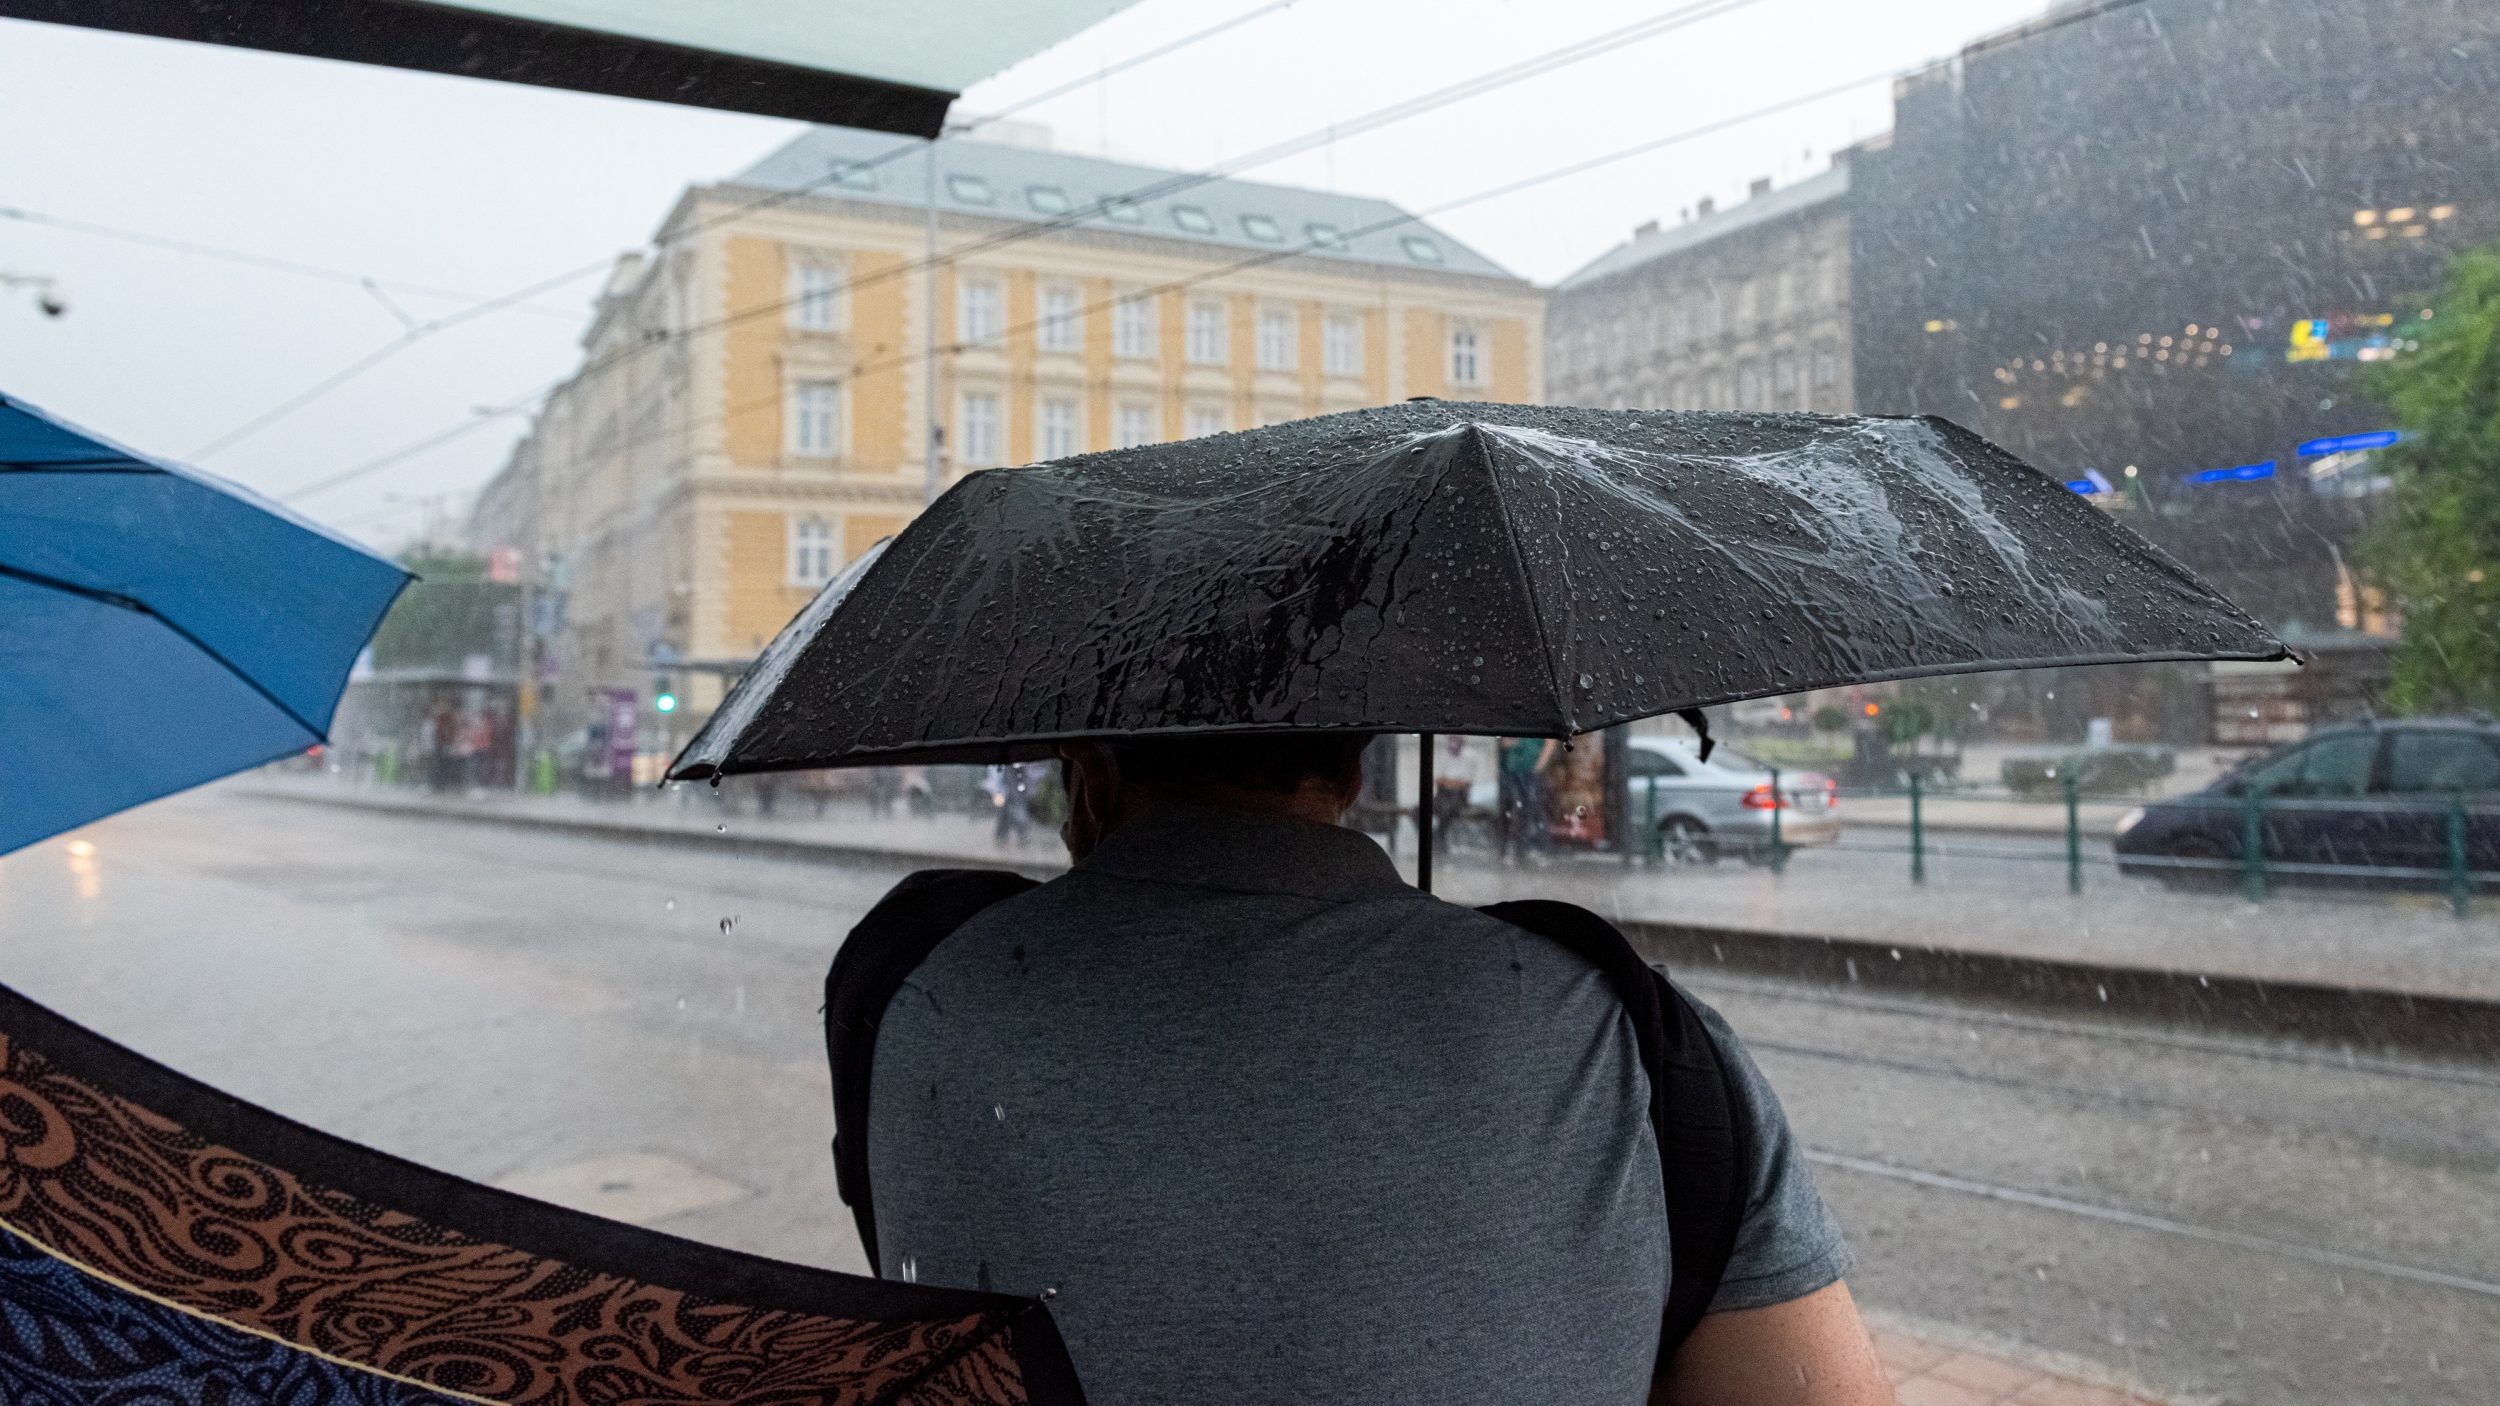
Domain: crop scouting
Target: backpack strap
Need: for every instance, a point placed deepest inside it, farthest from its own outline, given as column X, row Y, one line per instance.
column 874, row 961
column 1701, row 1124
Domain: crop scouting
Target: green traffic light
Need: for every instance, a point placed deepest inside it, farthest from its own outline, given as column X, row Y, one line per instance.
column 666, row 702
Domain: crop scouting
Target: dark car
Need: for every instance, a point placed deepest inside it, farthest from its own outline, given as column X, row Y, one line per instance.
column 2368, row 795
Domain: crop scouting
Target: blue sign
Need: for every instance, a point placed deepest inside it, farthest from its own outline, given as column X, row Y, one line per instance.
column 2089, row 484
column 2347, row 443
column 2243, row 473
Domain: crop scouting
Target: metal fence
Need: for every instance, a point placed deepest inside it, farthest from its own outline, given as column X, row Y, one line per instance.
column 2253, row 841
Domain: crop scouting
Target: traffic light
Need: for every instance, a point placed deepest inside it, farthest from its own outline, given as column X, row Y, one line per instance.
column 663, row 695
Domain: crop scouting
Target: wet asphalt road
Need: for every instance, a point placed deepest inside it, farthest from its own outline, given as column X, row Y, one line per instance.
column 2259, row 1224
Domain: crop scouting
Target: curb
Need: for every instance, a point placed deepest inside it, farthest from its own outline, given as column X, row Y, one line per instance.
column 2356, row 1018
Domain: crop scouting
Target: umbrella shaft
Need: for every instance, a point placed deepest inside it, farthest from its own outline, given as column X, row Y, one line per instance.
column 1423, row 815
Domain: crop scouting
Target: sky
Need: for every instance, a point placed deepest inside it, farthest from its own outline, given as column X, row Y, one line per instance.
column 446, row 192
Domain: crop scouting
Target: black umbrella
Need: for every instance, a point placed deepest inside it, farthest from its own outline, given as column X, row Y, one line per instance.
column 1444, row 567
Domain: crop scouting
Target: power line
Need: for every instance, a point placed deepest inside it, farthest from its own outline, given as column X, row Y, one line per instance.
column 1265, row 257
column 1535, row 66
column 269, row 261
column 412, row 335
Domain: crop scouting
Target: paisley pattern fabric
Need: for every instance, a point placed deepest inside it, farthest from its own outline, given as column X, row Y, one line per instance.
column 161, row 1243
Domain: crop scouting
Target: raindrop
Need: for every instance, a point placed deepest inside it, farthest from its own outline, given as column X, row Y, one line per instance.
column 681, row 1003
column 911, row 1269
column 998, row 1112
column 726, row 924
column 1587, row 682
column 722, row 828
column 670, row 905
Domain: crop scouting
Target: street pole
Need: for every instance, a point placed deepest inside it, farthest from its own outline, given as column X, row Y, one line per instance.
column 932, row 478
column 2074, row 832
column 1918, row 833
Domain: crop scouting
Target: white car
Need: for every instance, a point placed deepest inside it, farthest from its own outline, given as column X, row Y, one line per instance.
column 1701, row 810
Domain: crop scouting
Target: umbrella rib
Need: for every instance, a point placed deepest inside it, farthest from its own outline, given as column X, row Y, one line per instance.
column 137, row 606
column 1527, row 587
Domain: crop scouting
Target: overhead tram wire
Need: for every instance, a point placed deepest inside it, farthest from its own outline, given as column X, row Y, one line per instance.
column 1178, row 182
column 1552, row 60
column 1259, row 260
column 273, row 263
column 413, row 335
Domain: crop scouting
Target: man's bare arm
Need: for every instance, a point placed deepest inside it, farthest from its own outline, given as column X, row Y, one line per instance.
column 1812, row 1351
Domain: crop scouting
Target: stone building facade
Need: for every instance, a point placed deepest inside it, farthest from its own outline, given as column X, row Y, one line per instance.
column 1740, row 309
column 753, row 406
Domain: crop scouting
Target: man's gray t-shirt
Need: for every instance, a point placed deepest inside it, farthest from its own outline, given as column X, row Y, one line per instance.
column 1276, row 1126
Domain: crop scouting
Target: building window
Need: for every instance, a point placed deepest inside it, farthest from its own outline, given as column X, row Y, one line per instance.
column 1133, row 424
column 1784, row 380
column 1748, row 387
column 1826, row 366
column 1055, row 426
column 1713, row 312
column 1193, row 219
column 815, row 419
column 811, row 551
column 1279, row 332
column 1123, row 209
column 1062, row 326
column 1206, row 333
column 976, row 431
column 1050, row 200
column 1323, row 235
column 1748, row 303
column 980, row 312
column 1341, row 345
column 1466, row 356
column 1133, row 328
column 1421, row 249
column 815, row 295
column 1679, row 325
column 971, row 190
column 1205, row 420
column 1262, row 229
column 858, row 175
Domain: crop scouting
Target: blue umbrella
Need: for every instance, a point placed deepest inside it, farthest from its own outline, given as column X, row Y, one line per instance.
column 159, row 627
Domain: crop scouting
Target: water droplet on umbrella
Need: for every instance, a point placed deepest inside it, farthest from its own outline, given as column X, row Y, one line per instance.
column 1587, row 682
column 911, row 1269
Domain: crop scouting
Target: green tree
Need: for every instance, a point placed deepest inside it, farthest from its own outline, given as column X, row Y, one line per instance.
column 2436, row 545
column 446, row 615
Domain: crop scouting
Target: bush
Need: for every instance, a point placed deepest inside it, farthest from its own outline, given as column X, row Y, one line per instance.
column 2098, row 771
column 1830, row 718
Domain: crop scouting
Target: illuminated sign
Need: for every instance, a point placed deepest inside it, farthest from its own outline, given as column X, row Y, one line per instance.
column 2089, row 484
column 2242, row 473
column 2348, row 443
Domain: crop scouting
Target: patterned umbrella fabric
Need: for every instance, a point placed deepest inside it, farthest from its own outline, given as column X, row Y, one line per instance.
column 163, row 1243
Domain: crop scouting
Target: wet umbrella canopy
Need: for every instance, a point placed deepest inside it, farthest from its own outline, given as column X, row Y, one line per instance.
column 1448, row 567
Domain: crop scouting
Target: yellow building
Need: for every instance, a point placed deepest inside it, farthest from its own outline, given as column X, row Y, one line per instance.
column 753, row 408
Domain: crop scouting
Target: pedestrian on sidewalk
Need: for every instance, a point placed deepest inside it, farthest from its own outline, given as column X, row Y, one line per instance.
column 1527, row 832
column 1454, row 775
column 1265, row 1123
column 1010, row 789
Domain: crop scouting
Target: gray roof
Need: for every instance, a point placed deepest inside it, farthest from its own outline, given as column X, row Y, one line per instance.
column 1012, row 176
column 1691, row 235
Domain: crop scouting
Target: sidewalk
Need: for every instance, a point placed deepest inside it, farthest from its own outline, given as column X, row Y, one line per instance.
column 2404, row 944
column 1935, row 1366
